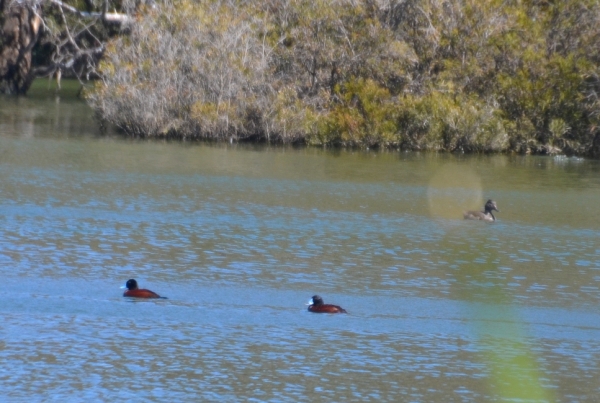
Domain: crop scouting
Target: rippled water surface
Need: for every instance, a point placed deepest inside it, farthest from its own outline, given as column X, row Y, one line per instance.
column 239, row 238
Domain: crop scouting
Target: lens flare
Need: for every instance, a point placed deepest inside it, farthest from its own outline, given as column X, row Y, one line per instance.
column 452, row 190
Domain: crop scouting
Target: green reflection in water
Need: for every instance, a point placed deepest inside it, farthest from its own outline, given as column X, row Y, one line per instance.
column 515, row 374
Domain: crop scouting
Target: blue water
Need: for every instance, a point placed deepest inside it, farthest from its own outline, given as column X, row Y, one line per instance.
column 238, row 239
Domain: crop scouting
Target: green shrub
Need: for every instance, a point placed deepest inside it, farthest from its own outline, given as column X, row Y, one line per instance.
column 361, row 114
column 473, row 76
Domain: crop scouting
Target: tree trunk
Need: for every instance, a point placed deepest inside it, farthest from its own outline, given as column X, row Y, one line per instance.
column 20, row 31
column 595, row 149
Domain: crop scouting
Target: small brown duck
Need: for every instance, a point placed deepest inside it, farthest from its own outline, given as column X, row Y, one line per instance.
column 135, row 292
column 316, row 305
column 485, row 215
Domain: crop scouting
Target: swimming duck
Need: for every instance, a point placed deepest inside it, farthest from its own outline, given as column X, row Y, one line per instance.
column 316, row 305
column 134, row 291
column 485, row 215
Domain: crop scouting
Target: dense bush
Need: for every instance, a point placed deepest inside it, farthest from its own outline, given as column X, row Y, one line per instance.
column 466, row 75
column 187, row 71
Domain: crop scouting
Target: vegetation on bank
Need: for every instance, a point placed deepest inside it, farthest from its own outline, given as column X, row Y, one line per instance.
column 462, row 75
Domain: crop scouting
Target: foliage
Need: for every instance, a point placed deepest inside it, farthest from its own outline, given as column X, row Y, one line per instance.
column 364, row 114
column 467, row 75
column 187, row 71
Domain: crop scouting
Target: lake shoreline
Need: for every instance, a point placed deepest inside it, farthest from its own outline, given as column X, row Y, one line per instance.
column 71, row 91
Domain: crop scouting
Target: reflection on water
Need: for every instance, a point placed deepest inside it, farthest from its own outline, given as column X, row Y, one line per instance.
column 238, row 238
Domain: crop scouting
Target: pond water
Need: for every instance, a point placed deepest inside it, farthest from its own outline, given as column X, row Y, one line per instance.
column 240, row 237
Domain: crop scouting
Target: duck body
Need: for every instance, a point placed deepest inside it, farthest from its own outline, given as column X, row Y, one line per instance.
column 316, row 305
column 485, row 215
column 134, row 291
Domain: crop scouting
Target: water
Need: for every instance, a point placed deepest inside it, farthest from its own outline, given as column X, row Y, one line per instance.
column 239, row 238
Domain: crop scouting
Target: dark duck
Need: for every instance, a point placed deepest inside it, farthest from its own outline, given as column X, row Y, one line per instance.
column 316, row 305
column 485, row 215
column 135, row 292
